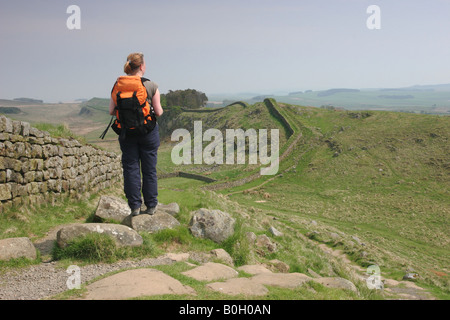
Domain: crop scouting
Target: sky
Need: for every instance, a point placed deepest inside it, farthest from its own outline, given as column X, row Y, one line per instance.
column 257, row 46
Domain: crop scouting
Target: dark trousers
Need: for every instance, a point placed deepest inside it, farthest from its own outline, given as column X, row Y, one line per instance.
column 139, row 154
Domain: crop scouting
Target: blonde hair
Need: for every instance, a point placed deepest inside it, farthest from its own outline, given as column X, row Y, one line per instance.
column 134, row 61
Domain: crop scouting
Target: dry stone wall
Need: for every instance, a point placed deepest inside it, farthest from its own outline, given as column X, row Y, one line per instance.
column 36, row 168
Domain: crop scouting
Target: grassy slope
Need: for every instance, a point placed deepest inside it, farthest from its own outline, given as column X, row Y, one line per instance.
column 382, row 178
column 233, row 117
column 388, row 185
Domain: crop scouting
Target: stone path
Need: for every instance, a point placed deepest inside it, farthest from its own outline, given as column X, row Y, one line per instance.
column 147, row 282
column 135, row 283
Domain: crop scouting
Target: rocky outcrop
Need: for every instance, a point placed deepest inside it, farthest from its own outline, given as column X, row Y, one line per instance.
column 256, row 285
column 212, row 224
column 136, row 283
column 211, row 271
column 123, row 235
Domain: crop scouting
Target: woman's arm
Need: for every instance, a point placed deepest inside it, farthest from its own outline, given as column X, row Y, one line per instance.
column 112, row 106
column 156, row 102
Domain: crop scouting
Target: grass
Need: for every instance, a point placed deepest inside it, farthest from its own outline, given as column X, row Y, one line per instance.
column 35, row 221
column 401, row 211
column 379, row 176
column 58, row 131
column 96, row 248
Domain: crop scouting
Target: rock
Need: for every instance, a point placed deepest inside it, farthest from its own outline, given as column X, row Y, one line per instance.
column 172, row 208
column 336, row 282
column 411, row 276
column 335, row 236
column 136, row 283
column 223, row 256
column 177, row 257
column 211, row 271
column 123, row 235
column 212, row 224
column 284, row 280
column 200, row 257
column 358, row 241
column 254, row 269
column 275, row 232
column 313, row 273
column 112, row 208
column 251, row 237
column 237, row 286
column 154, row 223
column 278, row 266
column 5, row 191
column 14, row 248
column 263, row 241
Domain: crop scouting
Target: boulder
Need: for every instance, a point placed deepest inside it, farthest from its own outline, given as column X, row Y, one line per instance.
column 123, row 235
column 336, row 282
column 251, row 237
column 112, row 208
column 254, row 269
column 171, row 208
column 212, row 224
column 211, row 271
column 222, row 255
column 275, row 232
column 154, row 223
column 263, row 241
column 278, row 266
column 14, row 248
column 411, row 276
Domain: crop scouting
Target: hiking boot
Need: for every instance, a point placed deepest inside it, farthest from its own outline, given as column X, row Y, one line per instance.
column 151, row 211
column 135, row 212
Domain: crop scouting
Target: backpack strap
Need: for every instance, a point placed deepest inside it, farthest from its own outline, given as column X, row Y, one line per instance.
column 149, row 96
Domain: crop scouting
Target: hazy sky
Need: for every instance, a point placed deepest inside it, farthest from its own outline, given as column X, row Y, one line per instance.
column 221, row 46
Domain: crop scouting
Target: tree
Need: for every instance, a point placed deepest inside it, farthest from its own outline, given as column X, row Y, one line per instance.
column 190, row 98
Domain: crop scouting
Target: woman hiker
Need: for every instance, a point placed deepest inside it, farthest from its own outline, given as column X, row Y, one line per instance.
column 136, row 103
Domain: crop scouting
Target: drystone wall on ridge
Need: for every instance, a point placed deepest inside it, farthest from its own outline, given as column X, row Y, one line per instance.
column 36, row 168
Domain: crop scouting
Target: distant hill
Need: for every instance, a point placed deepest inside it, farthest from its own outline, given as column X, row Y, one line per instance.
column 28, row 100
column 432, row 99
column 18, row 102
column 334, row 91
